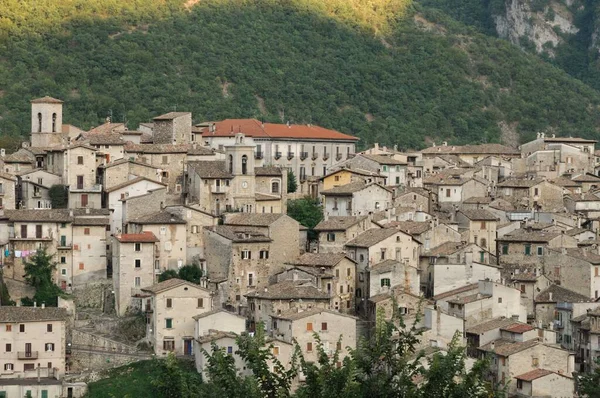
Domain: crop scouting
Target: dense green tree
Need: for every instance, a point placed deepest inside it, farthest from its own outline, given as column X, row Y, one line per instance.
column 308, row 212
column 174, row 381
column 59, row 196
column 191, row 273
column 39, row 269
column 588, row 384
column 292, row 185
column 168, row 274
column 223, row 378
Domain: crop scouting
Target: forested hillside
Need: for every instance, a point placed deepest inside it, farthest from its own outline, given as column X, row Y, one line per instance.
column 386, row 70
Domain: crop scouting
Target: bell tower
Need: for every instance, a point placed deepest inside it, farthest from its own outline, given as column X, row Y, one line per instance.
column 46, row 122
column 239, row 161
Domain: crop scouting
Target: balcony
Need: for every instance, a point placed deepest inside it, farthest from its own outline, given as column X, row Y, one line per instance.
column 258, row 155
column 325, row 156
column 302, row 177
column 64, row 246
column 277, row 155
column 338, row 156
column 314, row 156
column 137, row 292
column 27, row 354
column 303, row 155
column 217, row 189
column 290, row 155
column 37, row 194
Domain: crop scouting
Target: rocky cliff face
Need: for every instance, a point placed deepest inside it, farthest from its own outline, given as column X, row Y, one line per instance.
column 539, row 25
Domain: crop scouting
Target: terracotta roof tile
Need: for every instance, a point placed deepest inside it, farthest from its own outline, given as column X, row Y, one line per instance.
column 372, row 236
column 170, row 284
column 210, row 169
column 31, row 314
column 254, row 219
column 490, row 325
column 46, row 100
column 295, row 315
column 534, row 374
column 171, row 115
column 339, row 223
column 383, row 159
column 107, row 127
column 462, row 289
column 518, row 327
column 156, row 148
column 410, row 227
column 506, row 348
column 132, row 181
column 268, row 171
column 160, row 217
column 319, row 259
column 561, row 294
column 519, row 183
column 239, row 233
column 144, row 237
column 479, row 215
column 491, row 149
column 287, row 290
column 254, row 128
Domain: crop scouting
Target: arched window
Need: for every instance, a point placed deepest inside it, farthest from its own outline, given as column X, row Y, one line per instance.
column 244, row 164
column 275, row 187
column 231, row 163
column 39, row 122
column 54, row 122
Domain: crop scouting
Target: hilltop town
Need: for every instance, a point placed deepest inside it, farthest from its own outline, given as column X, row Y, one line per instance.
column 494, row 244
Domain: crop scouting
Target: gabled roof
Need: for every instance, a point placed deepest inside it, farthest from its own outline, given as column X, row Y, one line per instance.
column 217, row 311
column 478, row 200
column 581, row 253
column 319, row 259
column 576, row 231
column 171, row 115
column 11, row 314
column 160, row 217
column 256, row 129
column 170, row 284
column 490, row 325
column 123, row 161
column 445, row 249
column 339, row 223
column 535, row 374
column 519, row 183
column 349, row 189
column 462, row 289
column 268, row 171
column 131, row 182
column 156, row 148
column 569, row 139
column 410, row 227
column 506, row 348
column 561, row 294
column 565, row 182
column 586, row 178
column 479, row 215
column 583, row 197
column 373, row 236
column 522, row 235
column 20, row 156
column 416, row 190
column 107, row 127
column 46, row 100
column 210, row 169
column 102, row 138
column 143, row 237
column 453, row 180
column 254, row 219
column 215, row 335
column 7, row 176
column 383, row 159
column 517, row 327
column 239, row 233
column 91, row 221
column 288, row 290
column 384, row 266
column 297, row 315
column 491, row 149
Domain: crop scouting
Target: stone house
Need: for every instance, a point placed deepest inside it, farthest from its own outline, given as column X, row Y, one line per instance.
column 133, row 268
column 543, row 382
column 209, row 186
column 568, row 317
column 490, row 300
column 170, row 310
column 392, row 273
column 225, row 341
column 172, row 128
column 525, row 247
column 89, row 262
column 454, row 189
column 79, row 174
column 407, row 305
column 471, row 153
column 377, row 245
column 393, row 170
column 21, row 160
column 581, row 234
column 32, row 189
column 589, row 182
column 346, row 175
column 532, row 193
column 546, row 304
column 7, row 191
column 481, row 227
column 239, row 257
column 417, row 198
column 33, row 343
column 335, row 231
column 271, row 190
column 133, row 207
column 530, row 283
column 110, row 145
column 568, row 153
column 283, row 297
column 134, row 187
column 123, row 170
column 341, row 269
column 171, row 233
column 356, row 199
column 485, row 332
column 586, row 342
column 577, row 269
column 587, row 204
column 511, row 358
column 337, row 331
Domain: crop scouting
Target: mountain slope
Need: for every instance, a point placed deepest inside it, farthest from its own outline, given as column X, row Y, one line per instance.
column 384, row 72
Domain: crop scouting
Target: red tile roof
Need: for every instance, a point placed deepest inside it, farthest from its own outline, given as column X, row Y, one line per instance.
column 144, row 237
column 518, row 328
column 254, row 128
column 534, row 374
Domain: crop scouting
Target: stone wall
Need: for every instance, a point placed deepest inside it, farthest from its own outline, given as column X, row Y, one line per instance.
column 91, row 295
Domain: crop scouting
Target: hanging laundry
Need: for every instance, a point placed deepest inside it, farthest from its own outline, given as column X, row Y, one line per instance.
column 18, row 253
column 25, row 253
column 6, row 253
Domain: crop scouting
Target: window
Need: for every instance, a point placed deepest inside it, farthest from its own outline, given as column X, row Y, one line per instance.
column 348, row 272
column 330, row 237
column 79, row 182
column 81, row 266
column 169, row 303
column 341, row 289
column 38, row 231
column 138, row 247
column 519, row 384
column 402, row 310
column 165, row 159
column 505, row 249
column 86, row 231
column 263, row 254
column 335, row 204
column 528, row 250
column 250, row 279
column 276, row 350
column 169, row 323
column 84, row 200
column 9, row 328
column 29, row 366
column 362, row 258
column 540, row 250
column 200, row 303
column 63, row 260
column 308, row 347
column 137, row 281
column 534, row 362
column 597, row 271
column 483, row 226
column 169, row 345
column 522, row 288
column 324, row 326
column 309, row 327
column 447, row 193
column 49, row 328
column 499, row 300
column 79, row 159
column 9, row 366
column 22, row 328
column 244, row 164
column 385, row 282
column 8, row 348
column 275, row 187
column 49, row 347
column 483, row 243
column 230, row 350
column 138, row 263
column 382, row 254
column 246, row 254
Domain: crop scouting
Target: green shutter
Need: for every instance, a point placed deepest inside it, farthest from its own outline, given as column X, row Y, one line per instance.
column 44, row 393
column 169, row 323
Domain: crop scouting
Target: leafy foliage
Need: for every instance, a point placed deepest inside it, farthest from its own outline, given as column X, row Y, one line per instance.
column 589, row 383
column 59, row 196
column 369, row 68
column 292, row 185
column 308, row 212
column 190, row 272
column 38, row 273
column 175, row 382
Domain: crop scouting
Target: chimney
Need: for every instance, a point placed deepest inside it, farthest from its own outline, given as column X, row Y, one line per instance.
column 43, row 305
column 34, row 304
column 2, row 152
column 549, row 297
column 376, row 146
column 445, row 143
column 87, row 210
column 288, row 123
column 71, row 213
